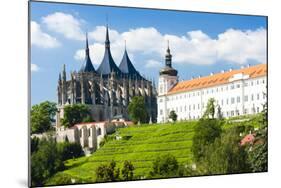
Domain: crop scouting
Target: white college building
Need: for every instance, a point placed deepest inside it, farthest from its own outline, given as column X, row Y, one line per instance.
column 237, row 92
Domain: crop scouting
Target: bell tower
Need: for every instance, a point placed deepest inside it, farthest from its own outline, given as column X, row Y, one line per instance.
column 168, row 78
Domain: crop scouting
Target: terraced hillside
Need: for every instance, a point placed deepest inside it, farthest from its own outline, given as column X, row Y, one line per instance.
column 139, row 144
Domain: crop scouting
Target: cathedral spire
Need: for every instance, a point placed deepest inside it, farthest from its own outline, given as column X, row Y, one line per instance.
column 87, row 66
column 107, row 42
column 87, row 45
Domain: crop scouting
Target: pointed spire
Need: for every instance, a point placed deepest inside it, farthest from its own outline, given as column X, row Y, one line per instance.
column 87, row 66
column 107, row 42
column 87, row 45
column 63, row 73
column 168, row 59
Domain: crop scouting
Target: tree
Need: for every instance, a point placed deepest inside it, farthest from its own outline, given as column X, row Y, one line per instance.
column 258, row 155
column 76, row 113
column 137, row 110
column 34, row 142
column 128, row 170
column 107, row 172
column 206, row 131
column 210, row 109
column 225, row 155
column 42, row 116
column 165, row 166
column 45, row 162
column 173, row 116
column 220, row 116
column 69, row 150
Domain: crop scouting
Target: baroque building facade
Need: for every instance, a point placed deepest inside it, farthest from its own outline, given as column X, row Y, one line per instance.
column 108, row 90
column 236, row 92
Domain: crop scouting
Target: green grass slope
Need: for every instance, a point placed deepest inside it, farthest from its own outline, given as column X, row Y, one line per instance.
column 140, row 145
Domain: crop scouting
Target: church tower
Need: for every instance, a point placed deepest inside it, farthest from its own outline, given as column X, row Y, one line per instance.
column 168, row 77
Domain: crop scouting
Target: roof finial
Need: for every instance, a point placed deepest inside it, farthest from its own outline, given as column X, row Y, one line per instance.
column 107, row 42
column 87, row 44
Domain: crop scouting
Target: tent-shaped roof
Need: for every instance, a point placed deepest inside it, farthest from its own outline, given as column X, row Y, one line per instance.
column 108, row 65
column 127, row 67
column 87, row 65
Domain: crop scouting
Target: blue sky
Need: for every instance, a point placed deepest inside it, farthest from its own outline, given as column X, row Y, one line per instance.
column 200, row 42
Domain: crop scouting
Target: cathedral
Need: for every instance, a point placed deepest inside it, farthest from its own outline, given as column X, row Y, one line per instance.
column 107, row 90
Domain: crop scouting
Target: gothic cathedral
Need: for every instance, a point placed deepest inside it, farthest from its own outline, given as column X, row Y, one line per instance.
column 108, row 90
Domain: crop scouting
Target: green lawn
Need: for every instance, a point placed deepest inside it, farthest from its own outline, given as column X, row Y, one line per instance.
column 138, row 144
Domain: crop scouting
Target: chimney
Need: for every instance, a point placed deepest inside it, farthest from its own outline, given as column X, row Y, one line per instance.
column 222, row 71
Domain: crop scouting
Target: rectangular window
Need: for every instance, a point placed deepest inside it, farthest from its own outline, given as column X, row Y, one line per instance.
column 232, row 100
column 238, row 99
column 189, row 107
column 245, row 84
column 198, row 106
column 258, row 110
column 252, row 97
column 193, row 106
column 246, row 98
column 161, row 112
column 258, row 96
column 258, row 82
column 226, row 101
column 238, row 86
column 232, row 113
column 252, row 83
column 232, row 86
column 222, row 102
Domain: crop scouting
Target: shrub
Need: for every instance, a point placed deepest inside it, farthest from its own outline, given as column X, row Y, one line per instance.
column 107, row 172
column 165, row 166
column 128, row 170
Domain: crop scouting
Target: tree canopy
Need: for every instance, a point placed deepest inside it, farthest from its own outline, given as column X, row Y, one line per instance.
column 173, row 116
column 42, row 116
column 137, row 110
column 76, row 113
column 210, row 109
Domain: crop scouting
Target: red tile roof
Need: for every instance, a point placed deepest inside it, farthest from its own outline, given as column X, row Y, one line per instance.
column 218, row 79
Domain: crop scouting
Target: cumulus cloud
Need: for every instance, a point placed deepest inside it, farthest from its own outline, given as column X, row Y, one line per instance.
column 41, row 39
column 34, row 68
column 153, row 64
column 65, row 24
column 195, row 47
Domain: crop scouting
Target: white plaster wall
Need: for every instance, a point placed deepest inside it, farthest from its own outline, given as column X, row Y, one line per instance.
column 192, row 104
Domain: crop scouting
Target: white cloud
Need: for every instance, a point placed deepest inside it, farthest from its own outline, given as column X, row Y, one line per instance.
column 65, row 24
column 34, row 68
column 41, row 39
column 195, row 47
column 153, row 64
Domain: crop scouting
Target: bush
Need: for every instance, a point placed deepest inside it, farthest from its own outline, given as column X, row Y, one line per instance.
column 128, row 170
column 107, row 172
column 165, row 166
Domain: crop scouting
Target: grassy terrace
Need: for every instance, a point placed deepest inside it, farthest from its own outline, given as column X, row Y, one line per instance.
column 139, row 144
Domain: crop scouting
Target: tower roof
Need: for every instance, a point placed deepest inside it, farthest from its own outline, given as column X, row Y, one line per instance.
column 168, row 69
column 87, row 65
column 127, row 67
column 108, row 65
